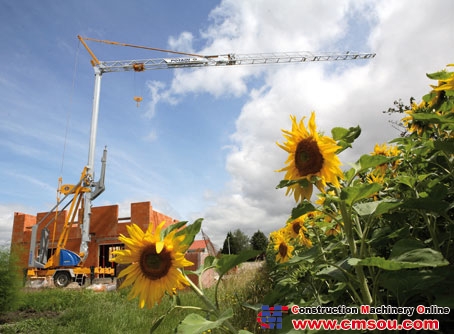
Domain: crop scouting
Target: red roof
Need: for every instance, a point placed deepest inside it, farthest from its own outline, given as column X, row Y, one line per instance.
column 198, row 245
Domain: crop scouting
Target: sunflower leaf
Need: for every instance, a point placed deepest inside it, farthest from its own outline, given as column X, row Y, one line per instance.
column 375, row 208
column 287, row 183
column 416, row 258
column 195, row 323
column 210, row 262
column 441, row 75
column 302, row 208
column 355, row 193
column 172, row 227
column 230, row 261
column 446, row 146
column 190, row 232
column 429, row 97
column 429, row 204
column 345, row 137
column 433, row 118
column 367, row 161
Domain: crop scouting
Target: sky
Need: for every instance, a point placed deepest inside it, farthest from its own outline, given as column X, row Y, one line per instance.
column 202, row 143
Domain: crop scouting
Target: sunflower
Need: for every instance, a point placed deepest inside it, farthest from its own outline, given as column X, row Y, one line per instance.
column 333, row 231
column 413, row 124
column 322, row 197
column 376, row 176
column 310, row 155
column 282, row 246
column 389, row 152
column 294, row 227
column 296, row 230
column 385, row 150
column 154, row 263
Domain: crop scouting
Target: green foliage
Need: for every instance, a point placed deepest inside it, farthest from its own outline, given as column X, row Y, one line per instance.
column 229, row 246
column 10, row 280
column 228, row 262
column 216, row 316
column 259, row 241
column 189, row 232
column 84, row 311
column 235, row 242
column 194, row 323
column 386, row 235
column 345, row 137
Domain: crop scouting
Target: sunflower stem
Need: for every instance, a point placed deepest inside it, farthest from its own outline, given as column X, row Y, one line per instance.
column 348, row 228
column 348, row 224
column 209, row 304
column 322, row 251
column 191, row 308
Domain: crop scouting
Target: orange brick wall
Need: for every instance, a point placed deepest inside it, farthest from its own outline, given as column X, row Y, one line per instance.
column 104, row 229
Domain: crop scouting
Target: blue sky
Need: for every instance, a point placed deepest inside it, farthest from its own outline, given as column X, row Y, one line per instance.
column 202, row 142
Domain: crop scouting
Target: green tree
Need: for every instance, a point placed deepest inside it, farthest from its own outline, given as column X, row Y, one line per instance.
column 230, row 246
column 241, row 239
column 259, row 241
column 235, row 242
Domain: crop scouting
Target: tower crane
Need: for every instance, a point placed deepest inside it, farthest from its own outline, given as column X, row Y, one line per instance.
column 65, row 264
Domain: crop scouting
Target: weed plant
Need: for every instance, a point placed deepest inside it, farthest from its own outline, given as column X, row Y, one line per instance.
column 10, row 282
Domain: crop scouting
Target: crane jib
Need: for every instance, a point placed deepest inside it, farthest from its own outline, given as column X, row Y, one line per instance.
column 226, row 60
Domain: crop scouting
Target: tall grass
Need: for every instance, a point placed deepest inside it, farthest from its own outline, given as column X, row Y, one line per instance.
column 10, row 280
column 63, row 311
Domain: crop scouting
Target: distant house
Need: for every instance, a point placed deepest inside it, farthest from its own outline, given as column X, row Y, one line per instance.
column 199, row 246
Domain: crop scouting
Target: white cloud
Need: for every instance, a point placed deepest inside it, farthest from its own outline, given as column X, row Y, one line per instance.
column 6, row 220
column 219, row 81
column 154, row 88
column 261, row 26
column 409, row 37
column 183, row 43
column 151, row 136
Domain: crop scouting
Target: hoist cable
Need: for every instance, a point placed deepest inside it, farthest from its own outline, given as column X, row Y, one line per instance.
column 71, row 103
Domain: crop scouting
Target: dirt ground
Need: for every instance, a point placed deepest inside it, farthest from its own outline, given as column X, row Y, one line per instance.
column 16, row 316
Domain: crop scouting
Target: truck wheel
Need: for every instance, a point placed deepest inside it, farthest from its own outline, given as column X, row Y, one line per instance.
column 62, row 279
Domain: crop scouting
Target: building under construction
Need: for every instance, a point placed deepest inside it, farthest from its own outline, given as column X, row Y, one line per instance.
column 105, row 228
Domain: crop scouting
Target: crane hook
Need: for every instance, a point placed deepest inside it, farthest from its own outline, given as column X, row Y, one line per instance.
column 138, row 99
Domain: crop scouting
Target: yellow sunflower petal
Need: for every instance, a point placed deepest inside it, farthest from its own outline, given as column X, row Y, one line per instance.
column 309, row 154
column 159, row 246
column 155, row 263
column 135, row 231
